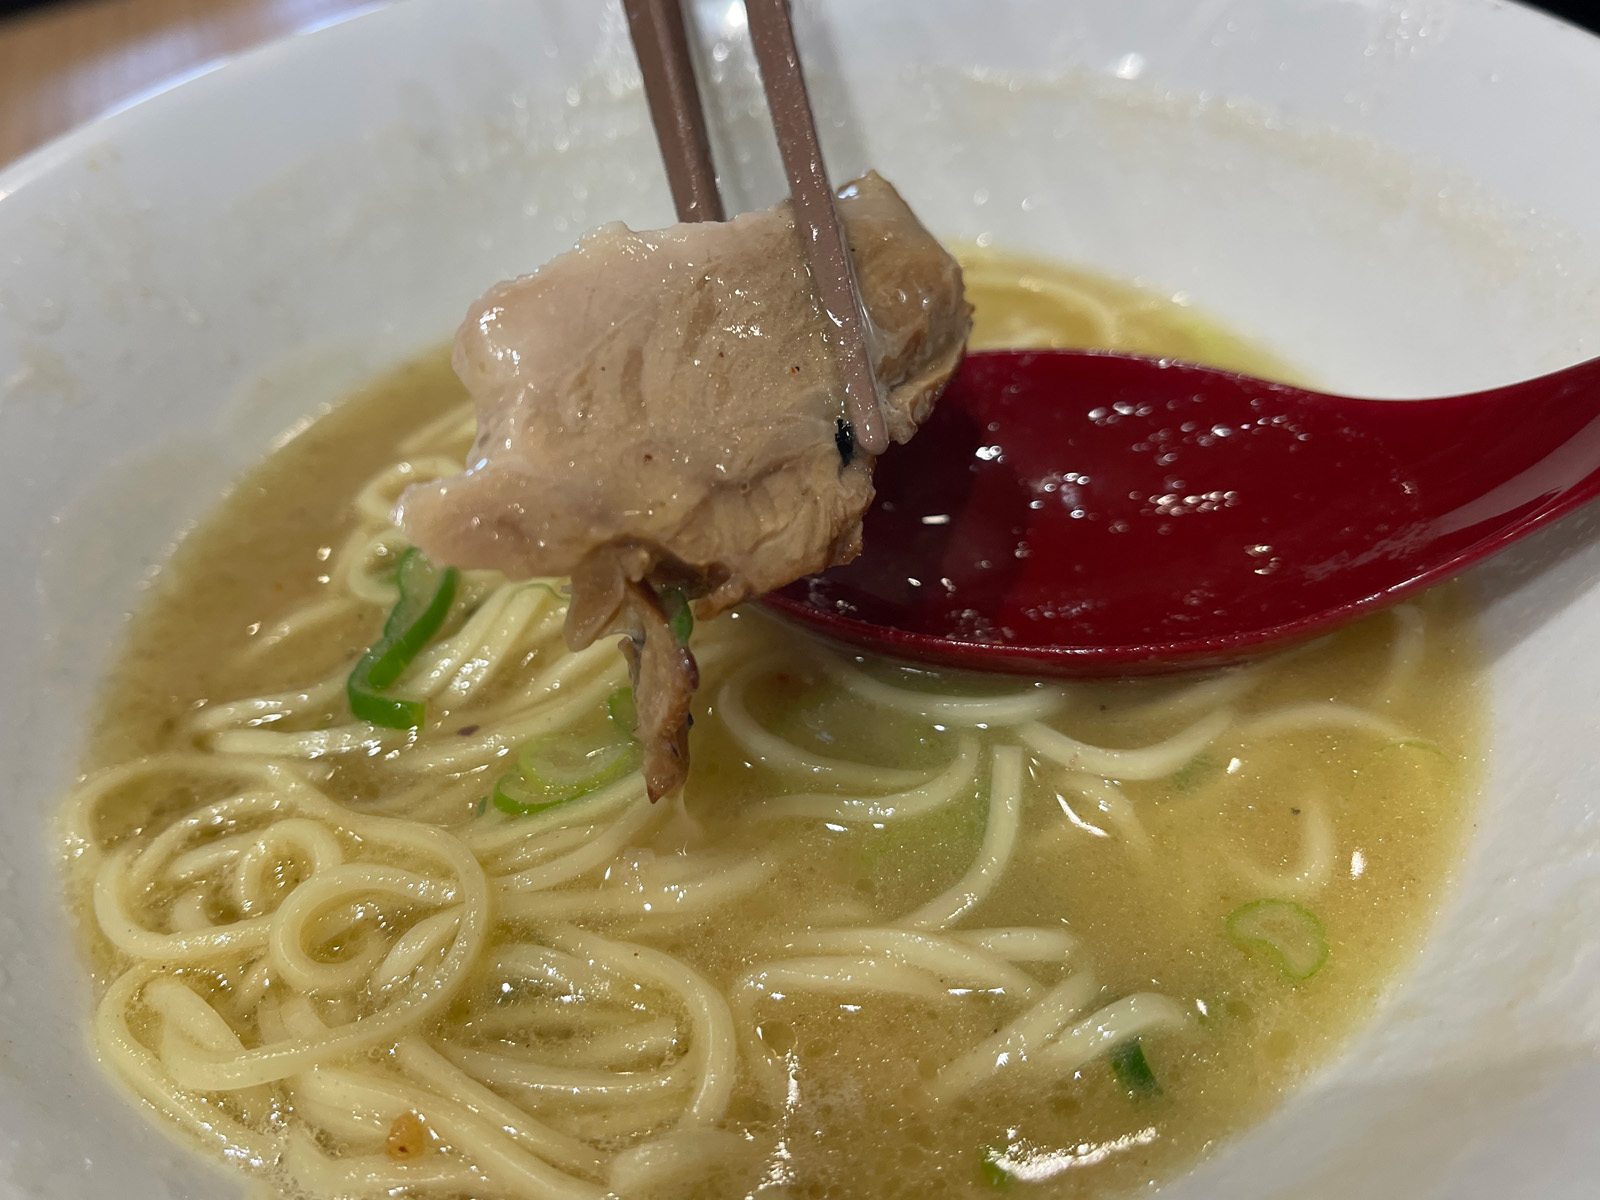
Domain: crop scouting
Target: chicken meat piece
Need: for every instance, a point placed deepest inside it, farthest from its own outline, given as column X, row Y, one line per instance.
column 660, row 418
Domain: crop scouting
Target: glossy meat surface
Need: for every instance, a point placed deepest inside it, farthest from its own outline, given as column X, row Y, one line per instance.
column 662, row 408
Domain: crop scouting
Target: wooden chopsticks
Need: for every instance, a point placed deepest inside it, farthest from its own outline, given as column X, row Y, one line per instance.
column 663, row 49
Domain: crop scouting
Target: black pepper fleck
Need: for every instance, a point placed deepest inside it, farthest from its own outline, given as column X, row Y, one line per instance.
column 844, row 437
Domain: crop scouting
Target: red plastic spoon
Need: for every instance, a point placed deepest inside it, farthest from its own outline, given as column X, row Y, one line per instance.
column 1081, row 513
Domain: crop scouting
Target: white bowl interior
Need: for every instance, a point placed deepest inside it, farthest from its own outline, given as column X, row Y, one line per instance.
column 1388, row 195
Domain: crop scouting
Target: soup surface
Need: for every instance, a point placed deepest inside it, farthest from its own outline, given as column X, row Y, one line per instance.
column 902, row 934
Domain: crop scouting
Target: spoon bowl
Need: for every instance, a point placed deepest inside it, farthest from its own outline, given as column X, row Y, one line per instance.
column 1082, row 513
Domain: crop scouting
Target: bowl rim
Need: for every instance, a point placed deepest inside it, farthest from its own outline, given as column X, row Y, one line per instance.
column 39, row 164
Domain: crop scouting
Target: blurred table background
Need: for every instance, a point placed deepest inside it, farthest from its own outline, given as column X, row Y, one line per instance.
column 65, row 61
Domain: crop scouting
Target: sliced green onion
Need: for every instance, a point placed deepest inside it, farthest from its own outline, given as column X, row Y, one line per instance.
column 1287, row 933
column 1196, row 771
column 991, row 1163
column 391, row 712
column 426, row 593
column 561, row 763
column 513, row 796
column 624, row 713
column 680, row 618
column 1133, row 1071
column 559, row 768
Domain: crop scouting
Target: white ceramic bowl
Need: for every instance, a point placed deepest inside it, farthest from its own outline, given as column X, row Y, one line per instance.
column 1399, row 196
